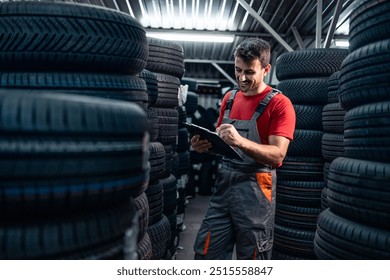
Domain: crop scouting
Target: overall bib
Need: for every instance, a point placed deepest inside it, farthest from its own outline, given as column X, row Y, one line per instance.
column 241, row 211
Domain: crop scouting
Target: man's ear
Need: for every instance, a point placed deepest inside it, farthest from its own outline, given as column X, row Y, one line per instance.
column 267, row 69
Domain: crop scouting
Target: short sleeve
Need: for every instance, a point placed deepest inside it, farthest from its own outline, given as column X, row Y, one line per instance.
column 283, row 118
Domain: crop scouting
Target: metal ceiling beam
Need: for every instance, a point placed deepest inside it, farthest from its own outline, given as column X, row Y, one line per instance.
column 346, row 13
column 226, row 75
column 299, row 14
column 274, row 34
column 298, row 38
column 332, row 26
column 319, row 24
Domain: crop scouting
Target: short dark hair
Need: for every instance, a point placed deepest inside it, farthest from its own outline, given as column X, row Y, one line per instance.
column 254, row 48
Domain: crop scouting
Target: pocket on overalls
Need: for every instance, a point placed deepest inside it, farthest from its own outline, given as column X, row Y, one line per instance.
column 202, row 242
column 264, row 180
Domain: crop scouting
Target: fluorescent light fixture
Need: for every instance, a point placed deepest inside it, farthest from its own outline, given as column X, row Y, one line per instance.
column 341, row 43
column 187, row 37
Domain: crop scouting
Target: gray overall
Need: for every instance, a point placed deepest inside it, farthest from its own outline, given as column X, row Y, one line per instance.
column 241, row 211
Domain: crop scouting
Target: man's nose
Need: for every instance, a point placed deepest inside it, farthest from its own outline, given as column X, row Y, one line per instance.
column 242, row 78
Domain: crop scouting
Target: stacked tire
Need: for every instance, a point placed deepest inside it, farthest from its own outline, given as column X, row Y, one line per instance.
column 187, row 106
column 333, row 125
column 300, row 179
column 71, row 160
column 204, row 167
column 356, row 224
column 165, row 67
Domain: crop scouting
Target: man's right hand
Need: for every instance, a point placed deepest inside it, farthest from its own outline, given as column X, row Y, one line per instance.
column 200, row 145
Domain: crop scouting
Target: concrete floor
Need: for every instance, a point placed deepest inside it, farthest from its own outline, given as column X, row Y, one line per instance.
column 193, row 216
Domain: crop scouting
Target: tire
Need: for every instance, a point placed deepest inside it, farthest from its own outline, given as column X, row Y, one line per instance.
column 299, row 193
column 308, row 116
column 367, row 133
column 309, row 63
column 333, row 118
column 301, row 169
column 110, row 86
column 365, row 75
column 333, row 87
column 47, row 36
column 165, row 57
column 332, row 146
column 357, row 190
column 64, row 237
column 341, row 239
column 306, row 143
column 301, row 218
column 68, row 152
column 369, row 22
column 312, row 91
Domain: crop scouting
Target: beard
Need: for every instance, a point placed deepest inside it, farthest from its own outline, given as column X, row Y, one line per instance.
column 245, row 86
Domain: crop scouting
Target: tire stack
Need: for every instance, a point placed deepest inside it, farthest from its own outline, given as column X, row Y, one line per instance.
column 205, row 166
column 357, row 223
column 333, row 138
column 183, row 148
column 191, row 106
column 70, row 162
column 166, row 62
column 300, row 179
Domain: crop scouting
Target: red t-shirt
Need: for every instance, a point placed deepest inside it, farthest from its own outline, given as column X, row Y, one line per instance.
column 278, row 117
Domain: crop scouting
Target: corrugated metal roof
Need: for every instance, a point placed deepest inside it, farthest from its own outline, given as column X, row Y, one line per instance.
column 230, row 17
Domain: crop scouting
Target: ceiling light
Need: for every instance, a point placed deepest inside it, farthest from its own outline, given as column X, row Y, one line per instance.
column 187, row 37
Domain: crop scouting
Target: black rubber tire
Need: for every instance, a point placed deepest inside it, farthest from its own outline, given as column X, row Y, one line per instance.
column 342, row 239
column 358, row 190
column 332, row 146
column 369, row 22
column 333, row 118
column 367, row 132
column 299, row 193
column 308, row 116
column 170, row 194
column 165, row 57
column 365, row 75
column 159, row 234
column 301, row 169
column 153, row 127
column 168, row 90
column 142, row 207
column 110, row 86
column 312, row 91
column 294, row 242
column 48, row 36
column 66, row 152
column 144, row 250
column 168, row 119
column 306, row 143
column 150, row 79
column 333, row 87
column 296, row 217
column 309, row 63
column 157, row 161
column 155, row 194
column 62, row 236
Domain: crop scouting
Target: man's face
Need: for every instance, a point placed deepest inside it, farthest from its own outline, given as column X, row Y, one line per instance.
column 250, row 75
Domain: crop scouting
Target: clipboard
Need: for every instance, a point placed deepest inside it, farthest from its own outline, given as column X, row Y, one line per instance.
column 219, row 146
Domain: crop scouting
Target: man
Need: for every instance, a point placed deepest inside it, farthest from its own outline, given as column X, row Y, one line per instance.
column 259, row 123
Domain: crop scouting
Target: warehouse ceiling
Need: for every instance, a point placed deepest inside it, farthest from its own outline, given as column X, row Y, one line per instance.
column 286, row 24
